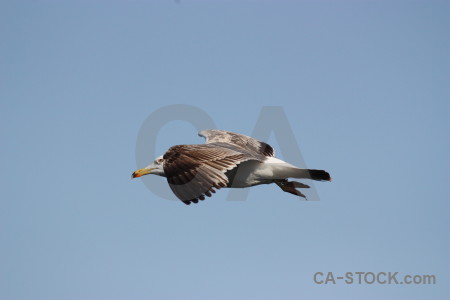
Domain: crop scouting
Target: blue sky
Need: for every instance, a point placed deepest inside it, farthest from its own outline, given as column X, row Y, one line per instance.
column 364, row 85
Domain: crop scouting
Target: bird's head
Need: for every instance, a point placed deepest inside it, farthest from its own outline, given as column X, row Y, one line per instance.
column 156, row 167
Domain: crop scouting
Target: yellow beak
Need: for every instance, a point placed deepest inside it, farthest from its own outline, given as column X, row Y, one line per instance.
column 141, row 172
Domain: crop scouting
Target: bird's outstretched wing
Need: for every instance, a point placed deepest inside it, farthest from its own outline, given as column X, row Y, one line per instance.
column 194, row 171
column 241, row 141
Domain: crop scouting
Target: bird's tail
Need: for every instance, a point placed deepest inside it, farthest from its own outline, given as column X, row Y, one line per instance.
column 283, row 170
column 319, row 175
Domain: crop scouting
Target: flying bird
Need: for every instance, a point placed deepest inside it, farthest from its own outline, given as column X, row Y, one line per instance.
column 228, row 160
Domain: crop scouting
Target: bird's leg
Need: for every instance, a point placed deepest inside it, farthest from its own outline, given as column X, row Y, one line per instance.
column 289, row 187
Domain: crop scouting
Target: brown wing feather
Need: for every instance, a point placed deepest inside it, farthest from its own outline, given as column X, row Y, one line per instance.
column 239, row 140
column 194, row 171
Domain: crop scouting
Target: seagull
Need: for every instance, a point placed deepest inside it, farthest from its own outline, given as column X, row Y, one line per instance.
column 226, row 160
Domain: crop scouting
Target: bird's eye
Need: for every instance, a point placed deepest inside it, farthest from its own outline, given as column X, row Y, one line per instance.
column 160, row 160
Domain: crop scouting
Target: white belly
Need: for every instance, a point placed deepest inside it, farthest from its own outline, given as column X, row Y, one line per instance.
column 252, row 173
